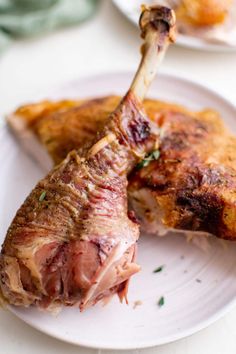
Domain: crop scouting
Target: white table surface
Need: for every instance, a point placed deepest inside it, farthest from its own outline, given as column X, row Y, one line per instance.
column 106, row 43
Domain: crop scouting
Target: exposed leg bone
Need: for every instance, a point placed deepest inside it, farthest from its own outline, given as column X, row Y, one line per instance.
column 158, row 30
column 73, row 242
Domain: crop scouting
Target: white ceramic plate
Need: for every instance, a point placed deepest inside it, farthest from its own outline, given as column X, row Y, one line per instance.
column 131, row 9
column 190, row 305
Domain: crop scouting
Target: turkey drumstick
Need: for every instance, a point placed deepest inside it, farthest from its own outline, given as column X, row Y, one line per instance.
column 73, row 242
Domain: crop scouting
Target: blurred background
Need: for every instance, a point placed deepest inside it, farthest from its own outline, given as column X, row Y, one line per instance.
column 100, row 39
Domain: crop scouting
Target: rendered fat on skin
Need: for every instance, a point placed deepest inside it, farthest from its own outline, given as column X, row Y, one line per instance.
column 73, row 241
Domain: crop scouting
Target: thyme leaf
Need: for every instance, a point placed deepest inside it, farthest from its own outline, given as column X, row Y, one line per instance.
column 161, row 301
column 154, row 155
column 42, row 196
column 159, row 269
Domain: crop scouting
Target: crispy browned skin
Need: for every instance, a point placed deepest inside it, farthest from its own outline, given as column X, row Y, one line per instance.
column 57, row 126
column 193, row 182
column 66, row 125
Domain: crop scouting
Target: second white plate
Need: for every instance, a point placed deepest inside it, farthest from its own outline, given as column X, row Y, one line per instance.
column 131, row 9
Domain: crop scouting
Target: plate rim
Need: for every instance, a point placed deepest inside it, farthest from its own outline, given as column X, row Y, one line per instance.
column 170, row 338
column 166, row 340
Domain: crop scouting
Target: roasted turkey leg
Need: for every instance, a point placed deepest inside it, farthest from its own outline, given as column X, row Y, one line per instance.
column 72, row 242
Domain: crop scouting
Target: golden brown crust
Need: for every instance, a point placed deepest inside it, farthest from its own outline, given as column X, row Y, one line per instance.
column 194, row 181
column 66, row 125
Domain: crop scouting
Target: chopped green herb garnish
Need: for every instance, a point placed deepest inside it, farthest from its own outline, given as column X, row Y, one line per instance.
column 154, row 155
column 159, row 269
column 142, row 164
column 161, row 301
column 42, row 196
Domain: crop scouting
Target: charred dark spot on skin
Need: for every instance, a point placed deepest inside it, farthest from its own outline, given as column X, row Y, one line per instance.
column 157, row 176
column 177, row 141
column 182, row 132
column 159, row 187
column 193, row 179
column 139, row 130
column 2, row 277
column 205, row 210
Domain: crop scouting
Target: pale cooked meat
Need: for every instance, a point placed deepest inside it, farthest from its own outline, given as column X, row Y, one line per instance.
column 73, row 241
